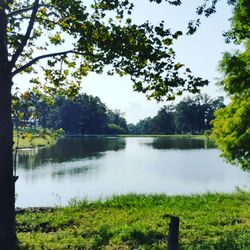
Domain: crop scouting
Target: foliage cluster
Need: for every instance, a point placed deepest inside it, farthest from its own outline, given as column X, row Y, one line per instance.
column 192, row 115
column 240, row 28
column 83, row 115
column 89, row 35
column 232, row 130
column 29, row 138
column 88, row 115
column 209, row 221
column 232, row 124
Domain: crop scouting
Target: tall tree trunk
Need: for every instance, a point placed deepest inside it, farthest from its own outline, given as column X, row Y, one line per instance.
column 7, row 181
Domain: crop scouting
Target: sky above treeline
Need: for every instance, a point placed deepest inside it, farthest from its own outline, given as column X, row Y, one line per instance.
column 200, row 52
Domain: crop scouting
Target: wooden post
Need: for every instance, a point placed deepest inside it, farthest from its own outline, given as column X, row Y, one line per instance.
column 173, row 234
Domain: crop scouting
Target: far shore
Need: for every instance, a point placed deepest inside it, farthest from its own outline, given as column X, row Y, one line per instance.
column 202, row 137
column 39, row 141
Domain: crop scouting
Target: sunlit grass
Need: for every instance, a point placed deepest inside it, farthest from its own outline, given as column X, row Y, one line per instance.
column 31, row 139
column 35, row 142
column 209, row 221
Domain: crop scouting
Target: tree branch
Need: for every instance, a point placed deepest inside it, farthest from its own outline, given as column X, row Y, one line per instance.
column 17, row 12
column 36, row 59
column 27, row 35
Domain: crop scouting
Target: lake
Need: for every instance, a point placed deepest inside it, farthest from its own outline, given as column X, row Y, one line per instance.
column 98, row 167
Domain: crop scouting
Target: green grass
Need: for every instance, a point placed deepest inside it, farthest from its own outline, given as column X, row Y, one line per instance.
column 209, row 221
column 32, row 139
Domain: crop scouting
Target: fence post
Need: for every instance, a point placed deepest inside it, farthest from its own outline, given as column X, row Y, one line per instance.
column 173, row 234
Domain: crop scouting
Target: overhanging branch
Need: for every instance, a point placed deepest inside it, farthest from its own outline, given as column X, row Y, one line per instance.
column 27, row 34
column 36, row 59
column 27, row 9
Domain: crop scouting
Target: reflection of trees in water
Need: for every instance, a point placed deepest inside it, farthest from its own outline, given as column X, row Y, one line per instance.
column 180, row 143
column 72, row 171
column 70, row 149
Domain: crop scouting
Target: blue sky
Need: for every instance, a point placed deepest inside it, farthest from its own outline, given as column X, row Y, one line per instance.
column 201, row 52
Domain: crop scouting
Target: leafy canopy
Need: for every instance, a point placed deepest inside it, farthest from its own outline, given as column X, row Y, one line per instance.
column 232, row 123
column 236, row 70
column 64, row 40
column 240, row 28
column 232, row 130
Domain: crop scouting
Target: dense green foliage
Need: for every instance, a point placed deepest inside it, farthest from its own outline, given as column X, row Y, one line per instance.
column 209, row 221
column 189, row 116
column 240, row 28
column 88, row 115
column 232, row 130
column 83, row 115
column 236, row 70
column 232, row 124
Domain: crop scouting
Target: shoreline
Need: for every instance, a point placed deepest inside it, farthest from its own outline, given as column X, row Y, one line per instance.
column 237, row 191
column 208, row 221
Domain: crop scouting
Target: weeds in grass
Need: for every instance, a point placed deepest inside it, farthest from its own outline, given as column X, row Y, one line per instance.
column 209, row 221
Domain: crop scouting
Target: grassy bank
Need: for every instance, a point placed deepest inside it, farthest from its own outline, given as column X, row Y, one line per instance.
column 210, row 221
column 31, row 139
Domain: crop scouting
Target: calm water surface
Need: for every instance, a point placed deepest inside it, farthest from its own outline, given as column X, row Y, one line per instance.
column 97, row 167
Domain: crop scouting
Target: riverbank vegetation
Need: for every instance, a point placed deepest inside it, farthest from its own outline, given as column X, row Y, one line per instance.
column 30, row 138
column 31, row 141
column 83, row 115
column 192, row 115
column 209, row 221
column 231, row 124
column 88, row 115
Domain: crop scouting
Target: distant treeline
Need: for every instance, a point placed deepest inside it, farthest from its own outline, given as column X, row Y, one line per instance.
column 83, row 115
column 88, row 115
column 192, row 115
